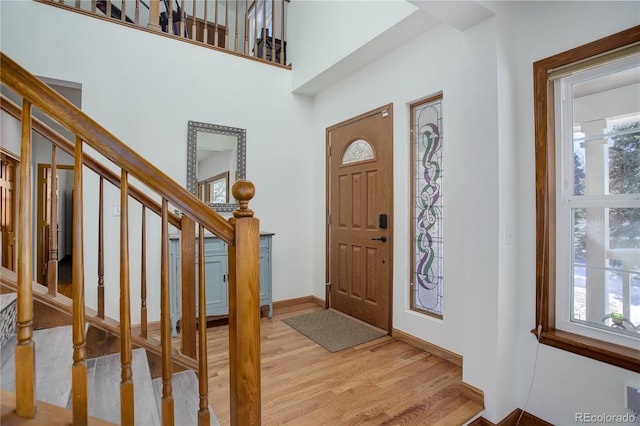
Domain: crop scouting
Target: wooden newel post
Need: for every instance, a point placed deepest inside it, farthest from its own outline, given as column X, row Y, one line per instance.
column 244, row 310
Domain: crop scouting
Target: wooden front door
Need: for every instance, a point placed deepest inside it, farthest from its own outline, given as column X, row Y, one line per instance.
column 359, row 223
column 8, row 210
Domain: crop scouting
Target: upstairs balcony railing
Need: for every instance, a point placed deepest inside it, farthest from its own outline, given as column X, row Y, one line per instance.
column 250, row 28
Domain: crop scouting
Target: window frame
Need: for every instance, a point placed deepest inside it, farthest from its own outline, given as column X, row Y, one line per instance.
column 545, row 179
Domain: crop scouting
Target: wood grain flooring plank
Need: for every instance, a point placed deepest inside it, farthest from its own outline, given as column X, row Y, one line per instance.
column 385, row 381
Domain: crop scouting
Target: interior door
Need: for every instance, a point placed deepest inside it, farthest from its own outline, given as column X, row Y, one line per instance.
column 43, row 224
column 8, row 210
column 47, row 225
column 359, row 223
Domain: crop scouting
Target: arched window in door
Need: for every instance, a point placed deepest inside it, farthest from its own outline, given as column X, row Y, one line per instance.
column 358, row 150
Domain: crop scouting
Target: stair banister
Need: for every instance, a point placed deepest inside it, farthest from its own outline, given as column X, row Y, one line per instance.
column 241, row 234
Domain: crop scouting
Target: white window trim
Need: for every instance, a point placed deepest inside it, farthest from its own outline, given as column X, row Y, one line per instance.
column 566, row 201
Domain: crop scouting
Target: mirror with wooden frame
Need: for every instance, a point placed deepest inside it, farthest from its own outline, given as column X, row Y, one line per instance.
column 215, row 160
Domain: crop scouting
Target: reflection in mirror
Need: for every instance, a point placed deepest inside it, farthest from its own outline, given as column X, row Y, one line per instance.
column 215, row 160
column 215, row 189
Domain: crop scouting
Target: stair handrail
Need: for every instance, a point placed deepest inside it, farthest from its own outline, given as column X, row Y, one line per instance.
column 108, row 145
column 63, row 143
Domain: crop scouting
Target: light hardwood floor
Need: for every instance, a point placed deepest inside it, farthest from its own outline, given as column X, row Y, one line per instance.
column 385, row 381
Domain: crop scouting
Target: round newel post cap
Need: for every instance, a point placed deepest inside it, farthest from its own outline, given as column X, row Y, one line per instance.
column 243, row 191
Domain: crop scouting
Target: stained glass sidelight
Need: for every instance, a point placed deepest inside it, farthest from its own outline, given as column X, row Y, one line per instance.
column 427, row 206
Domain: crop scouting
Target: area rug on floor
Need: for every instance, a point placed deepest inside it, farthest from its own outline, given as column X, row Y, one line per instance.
column 332, row 330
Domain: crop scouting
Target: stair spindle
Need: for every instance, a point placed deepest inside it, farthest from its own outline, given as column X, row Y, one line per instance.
column 215, row 25
column 235, row 42
column 182, row 20
column 101, row 250
column 154, row 15
column 193, row 26
column 226, row 24
column 79, row 370
column 205, row 35
column 165, row 322
column 204, row 416
column 282, row 49
column 264, row 31
column 143, row 276
column 126, row 355
column 188, row 261
column 25, row 353
column 246, row 29
column 52, row 258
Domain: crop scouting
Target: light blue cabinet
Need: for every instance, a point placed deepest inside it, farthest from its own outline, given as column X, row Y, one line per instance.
column 217, row 276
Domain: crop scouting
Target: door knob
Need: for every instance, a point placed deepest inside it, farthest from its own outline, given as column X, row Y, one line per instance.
column 383, row 239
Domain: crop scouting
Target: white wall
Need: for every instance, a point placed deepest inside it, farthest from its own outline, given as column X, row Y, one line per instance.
column 352, row 24
column 402, row 77
column 481, row 226
column 144, row 89
column 216, row 164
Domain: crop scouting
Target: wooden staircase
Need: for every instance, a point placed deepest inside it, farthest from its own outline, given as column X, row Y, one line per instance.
column 157, row 194
column 53, row 383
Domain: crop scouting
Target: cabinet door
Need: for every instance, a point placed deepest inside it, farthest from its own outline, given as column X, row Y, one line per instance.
column 215, row 272
column 265, row 280
column 265, row 273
